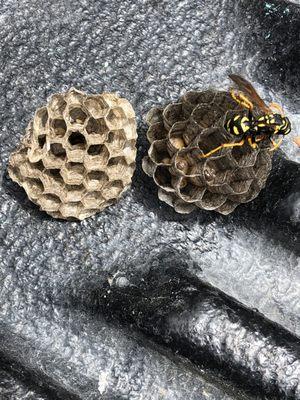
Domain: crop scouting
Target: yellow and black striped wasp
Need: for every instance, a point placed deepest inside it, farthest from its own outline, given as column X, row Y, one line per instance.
column 256, row 122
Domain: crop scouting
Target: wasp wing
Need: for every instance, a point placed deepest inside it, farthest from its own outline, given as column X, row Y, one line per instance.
column 247, row 88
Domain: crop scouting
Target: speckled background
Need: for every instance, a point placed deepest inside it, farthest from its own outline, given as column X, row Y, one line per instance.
column 149, row 51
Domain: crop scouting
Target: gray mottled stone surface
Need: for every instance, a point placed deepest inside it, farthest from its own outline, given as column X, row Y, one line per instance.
column 150, row 52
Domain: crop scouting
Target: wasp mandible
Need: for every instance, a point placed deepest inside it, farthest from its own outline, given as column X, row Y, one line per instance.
column 250, row 128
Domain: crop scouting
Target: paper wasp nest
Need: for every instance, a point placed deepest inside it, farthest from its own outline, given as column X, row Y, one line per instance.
column 180, row 133
column 78, row 155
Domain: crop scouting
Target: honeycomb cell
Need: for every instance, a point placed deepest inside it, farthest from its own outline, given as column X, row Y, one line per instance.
column 57, row 150
column 74, row 192
column 154, row 116
column 40, row 121
column 73, row 173
column 97, row 161
column 211, row 201
column 206, row 116
column 71, row 147
column 92, row 200
column 112, row 190
column 56, row 106
column 41, row 140
column 116, row 167
column 241, row 187
column 158, row 152
column 97, row 106
column 77, row 140
column 94, row 149
column 97, row 130
column 58, row 127
column 244, row 156
column 157, row 131
column 74, row 97
column 31, row 170
column 77, row 116
column 171, row 114
column 191, row 193
column 70, row 210
column 95, row 180
column 49, row 202
column 117, row 140
column 163, row 178
column 193, row 98
column 34, row 187
column 116, row 118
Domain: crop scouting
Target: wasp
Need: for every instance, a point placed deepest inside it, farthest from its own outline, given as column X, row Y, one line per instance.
column 249, row 127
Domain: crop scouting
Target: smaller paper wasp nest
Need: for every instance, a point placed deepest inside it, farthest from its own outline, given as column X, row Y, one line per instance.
column 78, row 155
column 180, row 133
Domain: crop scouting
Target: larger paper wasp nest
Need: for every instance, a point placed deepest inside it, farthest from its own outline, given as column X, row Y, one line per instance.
column 180, row 133
column 78, row 155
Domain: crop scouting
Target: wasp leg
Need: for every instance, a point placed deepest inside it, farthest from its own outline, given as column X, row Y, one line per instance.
column 251, row 143
column 221, row 147
column 275, row 145
column 241, row 99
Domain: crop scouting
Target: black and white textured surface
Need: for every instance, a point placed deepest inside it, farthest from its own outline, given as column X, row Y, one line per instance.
column 55, row 340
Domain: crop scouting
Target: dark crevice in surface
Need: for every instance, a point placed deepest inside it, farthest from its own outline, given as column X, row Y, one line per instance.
column 208, row 327
column 35, row 386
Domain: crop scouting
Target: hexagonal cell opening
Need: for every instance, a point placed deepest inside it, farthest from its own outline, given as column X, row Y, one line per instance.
column 173, row 113
column 55, row 172
column 97, row 127
column 163, row 178
column 76, row 167
column 96, row 179
column 190, row 192
column 38, row 165
column 210, row 201
column 116, row 118
column 74, row 96
column 92, row 200
column 96, row 106
column 211, row 139
column 156, row 132
column 227, row 207
column 71, row 209
column 244, row 156
column 241, row 187
column 50, row 202
column 205, row 116
column 58, row 150
column 96, row 175
column 194, row 97
column 117, row 139
column 77, row 140
column 57, row 104
column 34, row 186
column 41, row 117
column 77, row 115
column 74, row 192
column 95, row 149
column 41, row 140
column 59, row 127
column 158, row 152
column 113, row 190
